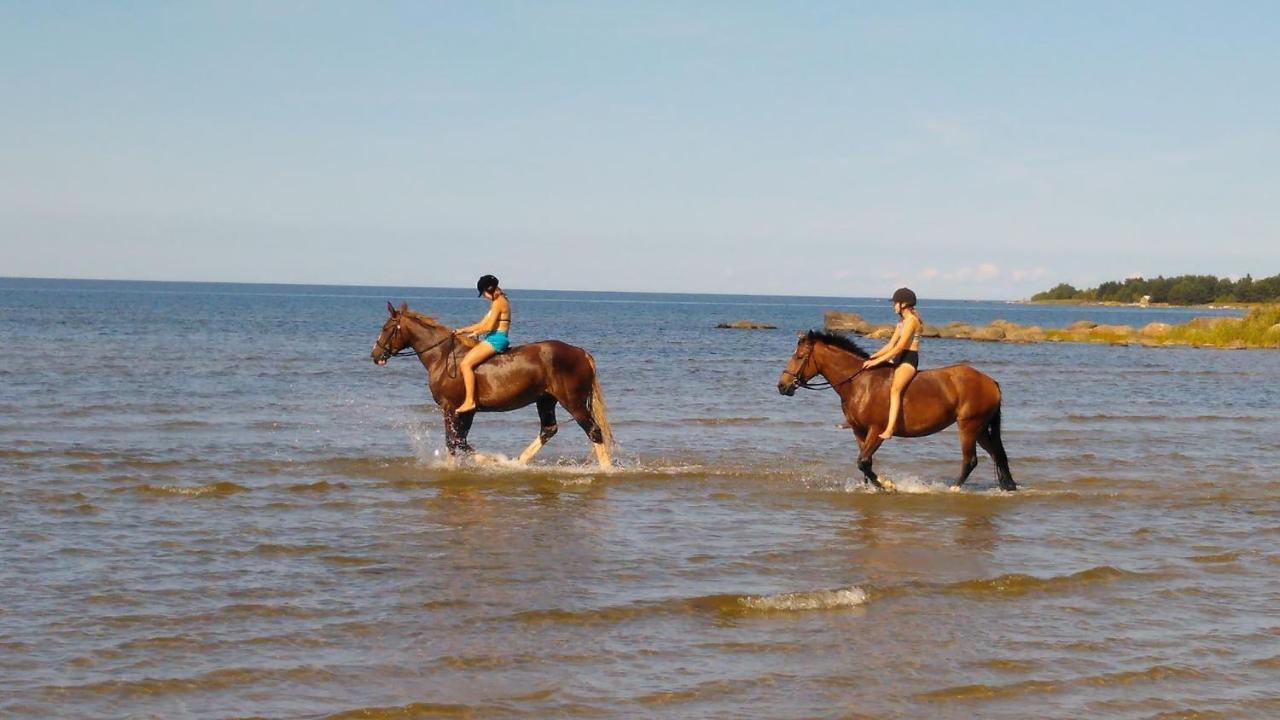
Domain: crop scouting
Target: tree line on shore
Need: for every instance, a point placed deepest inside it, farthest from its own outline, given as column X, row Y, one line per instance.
column 1179, row 290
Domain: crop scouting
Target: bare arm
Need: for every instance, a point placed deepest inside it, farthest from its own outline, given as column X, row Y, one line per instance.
column 487, row 323
column 886, row 350
column 900, row 341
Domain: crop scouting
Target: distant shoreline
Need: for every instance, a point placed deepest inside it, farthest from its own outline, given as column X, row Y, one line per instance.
column 1259, row 328
column 1116, row 303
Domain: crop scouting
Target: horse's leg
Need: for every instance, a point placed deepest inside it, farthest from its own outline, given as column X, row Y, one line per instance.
column 462, row 426
column 547, row 416
column 450, row 434
column 577, row 407
column 970, row 429
column 868, row 442
column 990, row 441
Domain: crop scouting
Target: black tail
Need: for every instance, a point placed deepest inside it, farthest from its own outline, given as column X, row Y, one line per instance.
column 1003, row 472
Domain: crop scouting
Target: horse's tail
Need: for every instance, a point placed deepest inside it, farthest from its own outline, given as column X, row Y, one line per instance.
column 997, row 447
column 599, row 410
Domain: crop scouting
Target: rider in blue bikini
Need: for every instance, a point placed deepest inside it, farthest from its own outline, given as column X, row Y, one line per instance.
column 492, row 330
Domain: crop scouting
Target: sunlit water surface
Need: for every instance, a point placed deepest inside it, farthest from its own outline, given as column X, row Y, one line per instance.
column 212, row 504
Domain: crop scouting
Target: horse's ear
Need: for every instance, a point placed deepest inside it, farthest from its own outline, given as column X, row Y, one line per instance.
column 391, row 308
column 404, row 307
column 800, row 335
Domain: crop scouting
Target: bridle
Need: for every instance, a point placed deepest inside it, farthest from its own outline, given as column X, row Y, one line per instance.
column 821, row 385
column 407, row 350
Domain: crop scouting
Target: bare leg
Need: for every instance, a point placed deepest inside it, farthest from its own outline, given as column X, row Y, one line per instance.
column 902, row 375
column 474, row 357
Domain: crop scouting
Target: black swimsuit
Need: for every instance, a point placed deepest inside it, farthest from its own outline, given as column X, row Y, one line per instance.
column 909, row 357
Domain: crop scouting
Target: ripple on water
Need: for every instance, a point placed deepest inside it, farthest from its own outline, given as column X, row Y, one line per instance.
column 1013, row 585
column 1153, row 674
column 215, row 680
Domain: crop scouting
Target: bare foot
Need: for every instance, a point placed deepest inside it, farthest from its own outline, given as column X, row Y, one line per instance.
column 465, row 408
column 886, row 435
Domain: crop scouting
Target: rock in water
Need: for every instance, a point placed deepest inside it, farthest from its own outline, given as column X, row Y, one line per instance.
column 746, row 325
column 846, row 322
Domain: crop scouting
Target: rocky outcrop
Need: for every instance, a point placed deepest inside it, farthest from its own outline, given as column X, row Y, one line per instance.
column 1258, row 329
column 746, row 325
column 1032, row 333
column 847, row 322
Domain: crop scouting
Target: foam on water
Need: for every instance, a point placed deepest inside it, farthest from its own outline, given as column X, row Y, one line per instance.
column 810, row 600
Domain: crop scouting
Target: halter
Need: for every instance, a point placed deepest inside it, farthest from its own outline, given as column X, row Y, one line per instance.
column 822, row 385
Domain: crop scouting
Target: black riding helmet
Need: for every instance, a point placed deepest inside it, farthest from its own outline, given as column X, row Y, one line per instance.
column 486, row 283
column 904, row 296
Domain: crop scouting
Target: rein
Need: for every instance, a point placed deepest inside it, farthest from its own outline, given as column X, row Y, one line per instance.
column 824, row 384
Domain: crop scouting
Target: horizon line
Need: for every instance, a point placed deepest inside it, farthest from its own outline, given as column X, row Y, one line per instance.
column 444, row 287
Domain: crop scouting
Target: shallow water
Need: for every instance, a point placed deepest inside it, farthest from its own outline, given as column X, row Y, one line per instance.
column 213, row 505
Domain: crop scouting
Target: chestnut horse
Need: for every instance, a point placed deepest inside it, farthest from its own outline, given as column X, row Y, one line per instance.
column 934, row 400
column 542, row 373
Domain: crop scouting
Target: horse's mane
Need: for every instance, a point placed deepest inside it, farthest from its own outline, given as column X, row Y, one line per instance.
column 840, row 341
column 423, row 319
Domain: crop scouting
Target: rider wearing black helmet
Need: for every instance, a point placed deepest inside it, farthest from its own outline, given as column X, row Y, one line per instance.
column 903, row 350
column 492, row 331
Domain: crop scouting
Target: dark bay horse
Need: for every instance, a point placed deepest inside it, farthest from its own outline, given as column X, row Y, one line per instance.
column 934, row 400
column 541, row 373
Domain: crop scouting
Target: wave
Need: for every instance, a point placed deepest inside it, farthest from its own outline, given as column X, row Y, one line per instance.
column 1226, row 557
column 730, row 421
column 115, row 410
column 81, row 509
column 277, row 550
column 216, row 680
column 723, row 604
column 414, row 711
column 1161, row 419
column 223, row 488
column 1018, row 584
column 1155, row 673
column 318, row 486
column 909, row 484
column 815, row 600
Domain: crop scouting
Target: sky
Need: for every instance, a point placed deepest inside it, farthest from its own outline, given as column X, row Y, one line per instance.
column 968, row 150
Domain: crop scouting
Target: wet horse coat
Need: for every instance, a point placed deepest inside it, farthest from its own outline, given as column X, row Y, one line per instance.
column 934, row 400
column 542, row 373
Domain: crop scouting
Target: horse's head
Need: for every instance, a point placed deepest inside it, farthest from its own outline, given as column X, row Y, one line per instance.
column 800, row 368
column 393, row 338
